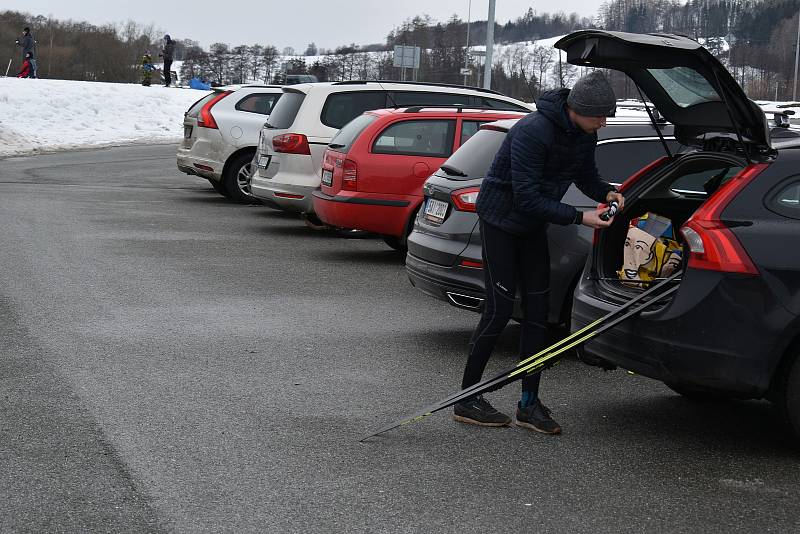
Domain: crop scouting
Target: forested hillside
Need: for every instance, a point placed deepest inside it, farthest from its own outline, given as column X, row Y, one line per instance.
column 756, row 39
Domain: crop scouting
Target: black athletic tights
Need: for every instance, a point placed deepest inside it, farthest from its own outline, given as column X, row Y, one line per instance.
column 509, row 260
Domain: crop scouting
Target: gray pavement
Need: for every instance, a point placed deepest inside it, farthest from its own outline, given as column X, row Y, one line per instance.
column 173, row 362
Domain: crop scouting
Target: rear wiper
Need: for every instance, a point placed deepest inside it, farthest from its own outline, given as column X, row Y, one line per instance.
column 452, row 171
column 335, row 145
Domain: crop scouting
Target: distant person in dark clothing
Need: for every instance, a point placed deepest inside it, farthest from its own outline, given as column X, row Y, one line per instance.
column 166, row 53
column 28, row 43
column 26, row 70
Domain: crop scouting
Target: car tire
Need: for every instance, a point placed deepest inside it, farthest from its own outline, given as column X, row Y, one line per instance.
column 787, row 400
column 395, row 242
column 218, row 187
column 400, row 244
column 236, row 178
column 698, row 394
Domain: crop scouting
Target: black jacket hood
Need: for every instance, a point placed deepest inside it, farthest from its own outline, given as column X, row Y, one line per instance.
column 553, row 105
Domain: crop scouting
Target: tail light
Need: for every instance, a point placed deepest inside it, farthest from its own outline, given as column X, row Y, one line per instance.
column 291, row 143
column 465, row 199
column 206, row 119
column 350, row 175
column 712, row 245
column 472, row 264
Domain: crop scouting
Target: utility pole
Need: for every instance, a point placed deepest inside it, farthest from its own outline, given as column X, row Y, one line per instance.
column 796, row 54
column 466, row 51
column 487, row 67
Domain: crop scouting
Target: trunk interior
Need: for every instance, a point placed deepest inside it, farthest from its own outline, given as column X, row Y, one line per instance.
column 674, row 192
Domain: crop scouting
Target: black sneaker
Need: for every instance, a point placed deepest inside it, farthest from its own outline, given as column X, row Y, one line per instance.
column 477, row 411
column 537, row 417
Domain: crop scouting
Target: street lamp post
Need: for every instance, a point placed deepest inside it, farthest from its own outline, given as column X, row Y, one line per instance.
column 466, row 51
column 487, row 67
column 796, row 56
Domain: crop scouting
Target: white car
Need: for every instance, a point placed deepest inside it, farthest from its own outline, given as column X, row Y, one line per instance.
column 294, row 139
column 220, row 135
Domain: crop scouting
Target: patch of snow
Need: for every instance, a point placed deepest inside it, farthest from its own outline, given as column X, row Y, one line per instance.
column 49, row 115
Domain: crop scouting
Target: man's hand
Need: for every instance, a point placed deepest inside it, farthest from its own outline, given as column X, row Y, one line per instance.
column 592, row 219
column 614, row 196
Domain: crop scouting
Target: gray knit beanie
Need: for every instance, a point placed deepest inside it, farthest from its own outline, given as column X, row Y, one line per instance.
column 592, row 96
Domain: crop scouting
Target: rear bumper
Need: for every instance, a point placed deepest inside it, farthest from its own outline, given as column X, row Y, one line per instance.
column 203, row 167
column 460, row 286
column 377, row 213
column 204, row 155
column 283, row 196
column 715, row 334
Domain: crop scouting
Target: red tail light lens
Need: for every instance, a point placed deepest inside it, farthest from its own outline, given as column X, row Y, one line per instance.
column 291, row 143
column 712, row 245
column 206, row 119
column 472, row 264
column 350, row 175
column 465, row 199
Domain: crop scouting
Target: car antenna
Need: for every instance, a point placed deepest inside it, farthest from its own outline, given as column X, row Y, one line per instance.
column 653, row 120
column 733, row 122
column 388, row 94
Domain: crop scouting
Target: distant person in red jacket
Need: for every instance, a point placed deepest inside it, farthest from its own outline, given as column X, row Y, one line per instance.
column 26, row 71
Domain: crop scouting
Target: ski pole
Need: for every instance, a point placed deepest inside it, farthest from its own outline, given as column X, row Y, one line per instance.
column 543, row 357
column 9, row 66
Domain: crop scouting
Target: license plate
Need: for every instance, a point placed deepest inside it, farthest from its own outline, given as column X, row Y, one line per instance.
column 187, row 131
column 327, row 177
column 435, row 210
column 263, row 161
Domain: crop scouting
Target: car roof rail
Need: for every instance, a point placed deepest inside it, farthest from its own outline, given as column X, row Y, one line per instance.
column 458, row 107
column 433, row 84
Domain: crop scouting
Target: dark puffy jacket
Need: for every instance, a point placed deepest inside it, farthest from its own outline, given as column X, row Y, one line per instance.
column 169, row 49
column 542, row 155
column 27, row 43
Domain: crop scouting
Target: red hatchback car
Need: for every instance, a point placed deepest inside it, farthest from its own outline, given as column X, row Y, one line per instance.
column 374, row 168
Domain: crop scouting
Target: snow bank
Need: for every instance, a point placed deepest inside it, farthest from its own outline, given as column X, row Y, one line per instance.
column 48, row 115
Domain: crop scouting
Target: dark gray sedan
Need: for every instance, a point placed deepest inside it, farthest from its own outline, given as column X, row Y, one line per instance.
column 444, row 250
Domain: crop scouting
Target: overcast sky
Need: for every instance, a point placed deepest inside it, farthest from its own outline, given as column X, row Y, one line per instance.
column 287, row 23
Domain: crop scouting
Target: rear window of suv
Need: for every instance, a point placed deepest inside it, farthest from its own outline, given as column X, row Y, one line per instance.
column 341, row 108
column 194, row 110
column 261, row 103
column 475, row 156
column 285, row 111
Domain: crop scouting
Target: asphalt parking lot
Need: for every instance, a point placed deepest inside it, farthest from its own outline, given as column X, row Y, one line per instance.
column 173, row 362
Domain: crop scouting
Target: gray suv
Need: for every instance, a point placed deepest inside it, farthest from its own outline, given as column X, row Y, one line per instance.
column 444, row 249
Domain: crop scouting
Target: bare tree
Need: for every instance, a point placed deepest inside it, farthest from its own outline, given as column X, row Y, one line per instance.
column 542, row 57
column 271, row 58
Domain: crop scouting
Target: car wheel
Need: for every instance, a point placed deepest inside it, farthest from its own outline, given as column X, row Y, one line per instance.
column 787, row 400
column 395, row 242
column 401, row 243
column 218, row 187
column 236, row 178
column 698, row 394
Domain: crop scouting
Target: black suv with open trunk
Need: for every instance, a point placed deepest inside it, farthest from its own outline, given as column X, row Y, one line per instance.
column 732, row 328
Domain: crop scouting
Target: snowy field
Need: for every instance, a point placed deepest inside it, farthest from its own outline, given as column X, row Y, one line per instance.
column 49, row 115
column 39, row 116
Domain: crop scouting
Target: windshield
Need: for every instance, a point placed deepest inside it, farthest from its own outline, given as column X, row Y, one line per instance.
column 685, row 86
